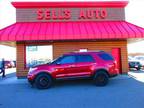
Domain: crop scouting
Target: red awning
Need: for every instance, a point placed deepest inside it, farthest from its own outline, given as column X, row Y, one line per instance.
column 70, row 31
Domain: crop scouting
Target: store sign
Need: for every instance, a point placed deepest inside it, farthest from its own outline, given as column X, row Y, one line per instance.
column 66, row 14
column 69, row 14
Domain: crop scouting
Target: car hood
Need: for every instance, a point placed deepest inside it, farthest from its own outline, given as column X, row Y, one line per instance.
column 41, row 66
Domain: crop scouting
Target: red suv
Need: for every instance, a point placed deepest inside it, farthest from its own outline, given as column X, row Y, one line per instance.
column 99, row 66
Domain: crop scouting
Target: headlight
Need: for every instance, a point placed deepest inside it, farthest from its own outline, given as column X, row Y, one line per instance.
column 32, row 69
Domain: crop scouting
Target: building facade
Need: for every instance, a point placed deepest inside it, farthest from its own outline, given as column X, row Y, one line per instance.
column 68, row 27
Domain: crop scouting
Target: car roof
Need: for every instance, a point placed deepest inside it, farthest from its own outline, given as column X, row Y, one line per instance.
column 88, row 52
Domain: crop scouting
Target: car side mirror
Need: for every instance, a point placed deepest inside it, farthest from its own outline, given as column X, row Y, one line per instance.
column 58, row 63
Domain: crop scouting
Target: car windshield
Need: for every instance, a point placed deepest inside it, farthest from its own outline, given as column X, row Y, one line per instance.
column 140, row 58
column 55, row 60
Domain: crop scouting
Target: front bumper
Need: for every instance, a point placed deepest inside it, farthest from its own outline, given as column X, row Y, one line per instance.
column 135, row 66
column 31, row 79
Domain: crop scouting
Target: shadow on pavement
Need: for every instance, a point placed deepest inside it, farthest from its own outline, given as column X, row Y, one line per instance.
column 8, row 76
column 121, row 92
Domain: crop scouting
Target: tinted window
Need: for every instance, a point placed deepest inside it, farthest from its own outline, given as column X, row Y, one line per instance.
column 105, row 56
column 56, row 60
column 84, row 58
column 67, row 59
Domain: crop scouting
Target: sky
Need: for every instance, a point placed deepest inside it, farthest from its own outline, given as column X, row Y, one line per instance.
column 8, row 53
column 134, row 14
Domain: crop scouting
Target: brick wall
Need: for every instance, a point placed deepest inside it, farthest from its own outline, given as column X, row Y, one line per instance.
column 21, row 70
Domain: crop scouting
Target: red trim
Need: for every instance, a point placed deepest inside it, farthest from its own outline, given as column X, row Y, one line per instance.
column 57, row 31
column 69, row 4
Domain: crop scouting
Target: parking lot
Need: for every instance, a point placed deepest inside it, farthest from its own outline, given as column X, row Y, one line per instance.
column 122, row 92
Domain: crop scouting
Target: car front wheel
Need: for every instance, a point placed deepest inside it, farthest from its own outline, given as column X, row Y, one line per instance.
column 101, row 78
column 43, row 81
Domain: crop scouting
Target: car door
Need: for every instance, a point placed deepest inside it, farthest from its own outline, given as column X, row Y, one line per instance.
column 65, row 66
column 84, row 65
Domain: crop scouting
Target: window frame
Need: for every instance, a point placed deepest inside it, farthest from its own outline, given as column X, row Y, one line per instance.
column 32, row 44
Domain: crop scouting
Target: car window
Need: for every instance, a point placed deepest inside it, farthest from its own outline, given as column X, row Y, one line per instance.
column 84, row 58
column 105, row 56
column 56, row 60
column 67, row 59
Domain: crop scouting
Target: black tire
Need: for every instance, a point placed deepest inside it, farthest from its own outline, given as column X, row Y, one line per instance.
column 43, row 81
column 101, row 78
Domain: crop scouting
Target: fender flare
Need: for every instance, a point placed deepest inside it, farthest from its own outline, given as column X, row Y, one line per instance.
column 104, row 70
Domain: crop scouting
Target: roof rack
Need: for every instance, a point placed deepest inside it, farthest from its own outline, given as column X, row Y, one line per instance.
column 88, row 51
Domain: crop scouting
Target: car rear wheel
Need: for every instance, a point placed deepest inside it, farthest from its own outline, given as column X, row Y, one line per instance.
column 43, row 81
column 101, row 78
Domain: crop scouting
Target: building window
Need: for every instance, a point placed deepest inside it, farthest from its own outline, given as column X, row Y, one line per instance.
column 36, row 55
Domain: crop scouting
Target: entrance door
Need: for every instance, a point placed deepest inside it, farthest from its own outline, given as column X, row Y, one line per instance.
column 116, row 53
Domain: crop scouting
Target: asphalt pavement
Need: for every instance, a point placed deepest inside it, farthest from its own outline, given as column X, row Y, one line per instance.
column 123, row 91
